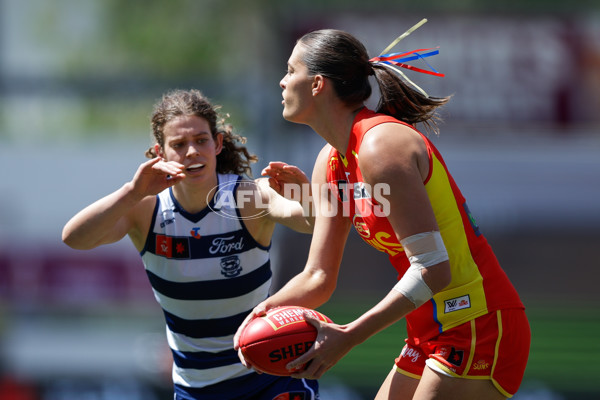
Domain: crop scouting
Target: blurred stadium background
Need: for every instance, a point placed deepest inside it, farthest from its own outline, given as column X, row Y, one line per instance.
column 77, row 83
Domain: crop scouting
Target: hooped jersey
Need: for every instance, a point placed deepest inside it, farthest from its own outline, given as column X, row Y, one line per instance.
column 478, row 285
column 207, row 273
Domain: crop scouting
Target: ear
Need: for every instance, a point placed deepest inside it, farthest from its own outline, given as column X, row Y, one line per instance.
column 218, row 143
column 158, row 150
column 318, row 84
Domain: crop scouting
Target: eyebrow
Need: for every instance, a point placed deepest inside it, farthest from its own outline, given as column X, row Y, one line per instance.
column 196, row 134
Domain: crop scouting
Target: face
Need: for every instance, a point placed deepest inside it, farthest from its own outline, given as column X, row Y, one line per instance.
column 189, row 141
column 297, row 88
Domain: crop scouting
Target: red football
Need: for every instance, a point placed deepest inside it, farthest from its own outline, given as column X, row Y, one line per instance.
column 282, row 335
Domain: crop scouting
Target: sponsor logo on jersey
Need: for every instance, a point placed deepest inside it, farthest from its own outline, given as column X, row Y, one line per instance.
column 230, row 266
column 225, row 245
column 360, row 191
column 457, row 303
column 453, row 356
column 411, row 353
column 195, row 232
column 172, row 247
column 168, row 217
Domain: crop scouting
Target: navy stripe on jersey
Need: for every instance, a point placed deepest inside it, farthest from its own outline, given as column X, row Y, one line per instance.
column 221, row 245
column 214, row 289
column 204, row 328
column 204, row 359
column 243, row 387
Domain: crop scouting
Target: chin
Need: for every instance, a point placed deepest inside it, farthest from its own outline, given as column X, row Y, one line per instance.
column 289, row 117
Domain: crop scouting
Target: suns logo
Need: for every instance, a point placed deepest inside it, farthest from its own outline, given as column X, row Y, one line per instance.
column 361, row 227
column 481, row 365
column 333, row 161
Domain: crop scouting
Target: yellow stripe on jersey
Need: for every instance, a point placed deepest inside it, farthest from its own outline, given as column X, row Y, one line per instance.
column 464, row 297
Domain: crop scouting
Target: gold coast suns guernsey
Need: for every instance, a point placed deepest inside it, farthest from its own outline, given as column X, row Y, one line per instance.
column 478, row 286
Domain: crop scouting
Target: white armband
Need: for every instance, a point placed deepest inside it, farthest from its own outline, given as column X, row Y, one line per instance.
column 423, row 250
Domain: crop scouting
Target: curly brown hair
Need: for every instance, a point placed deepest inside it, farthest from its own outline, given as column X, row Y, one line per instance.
column 233, row 159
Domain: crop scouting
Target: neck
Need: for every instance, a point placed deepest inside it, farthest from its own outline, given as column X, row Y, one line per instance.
column 335, row 126
column 193, row 196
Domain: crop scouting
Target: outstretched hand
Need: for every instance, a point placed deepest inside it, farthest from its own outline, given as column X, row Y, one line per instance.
column 154, row 176
column 282, row 175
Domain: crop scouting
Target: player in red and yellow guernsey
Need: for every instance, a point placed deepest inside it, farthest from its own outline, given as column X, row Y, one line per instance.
column 468, row 335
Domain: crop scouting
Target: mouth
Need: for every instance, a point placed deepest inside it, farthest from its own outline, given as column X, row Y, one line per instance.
column 194, row 167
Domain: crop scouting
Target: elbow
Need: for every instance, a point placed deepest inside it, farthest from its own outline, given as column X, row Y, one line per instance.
column 322, row 288
column 445, row 276
column 71, row 239
column 68, row 239
column 438, row 277
column 72, row 243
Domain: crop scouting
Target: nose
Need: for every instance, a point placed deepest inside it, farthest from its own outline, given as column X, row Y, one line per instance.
column 282, row 83
column 191, row 151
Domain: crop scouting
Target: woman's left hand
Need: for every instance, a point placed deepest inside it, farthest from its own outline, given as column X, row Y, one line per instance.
column 331, row 345
column 282, row 175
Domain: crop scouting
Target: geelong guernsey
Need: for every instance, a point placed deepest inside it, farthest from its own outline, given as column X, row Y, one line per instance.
column 478, row 284
column 207, row 273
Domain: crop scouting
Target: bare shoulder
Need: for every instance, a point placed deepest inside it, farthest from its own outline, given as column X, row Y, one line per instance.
column 324, row 152
column 320, row 168
column 140, row 219
column 391, row 148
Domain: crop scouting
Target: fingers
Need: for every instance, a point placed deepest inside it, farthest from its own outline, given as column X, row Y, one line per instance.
column 171, row 168
column 258, row 311
column 274, row 168
column 313, row 368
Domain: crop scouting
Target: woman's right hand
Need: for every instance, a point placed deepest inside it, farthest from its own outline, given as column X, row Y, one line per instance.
column 154, row 176
column 258, row 311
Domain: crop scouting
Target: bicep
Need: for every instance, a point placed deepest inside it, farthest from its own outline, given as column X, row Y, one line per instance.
column 394, row 162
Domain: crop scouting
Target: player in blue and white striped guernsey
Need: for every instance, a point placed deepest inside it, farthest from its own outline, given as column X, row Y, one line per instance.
column 204, row 233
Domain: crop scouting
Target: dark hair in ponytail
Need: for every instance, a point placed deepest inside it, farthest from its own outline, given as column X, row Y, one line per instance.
column 402, row 101
column 342, row 58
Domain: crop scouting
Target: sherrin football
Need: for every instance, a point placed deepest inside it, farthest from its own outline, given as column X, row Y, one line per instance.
column 270, row 342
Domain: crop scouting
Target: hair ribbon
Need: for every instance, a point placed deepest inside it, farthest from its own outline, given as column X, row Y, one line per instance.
column 391, row 60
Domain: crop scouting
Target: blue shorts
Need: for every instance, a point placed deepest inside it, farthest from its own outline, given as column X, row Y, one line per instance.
column 253, row 386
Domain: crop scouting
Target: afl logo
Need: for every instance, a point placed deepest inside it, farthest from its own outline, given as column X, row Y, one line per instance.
column 360, row 226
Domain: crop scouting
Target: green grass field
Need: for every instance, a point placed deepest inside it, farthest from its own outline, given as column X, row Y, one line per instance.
column 565, row 339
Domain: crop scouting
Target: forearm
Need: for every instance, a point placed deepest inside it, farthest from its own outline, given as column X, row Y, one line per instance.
column 102, row 221
column 310, row 289
column 389, row 310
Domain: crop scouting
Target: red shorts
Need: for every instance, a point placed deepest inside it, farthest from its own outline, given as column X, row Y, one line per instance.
column 494, row 346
